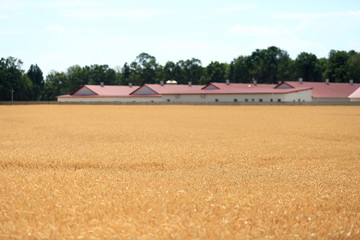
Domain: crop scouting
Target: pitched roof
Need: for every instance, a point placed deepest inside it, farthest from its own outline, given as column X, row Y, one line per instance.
column 324, row 90
column 355, row 94
column 89, row 91
column 238, row 85
column 220, row 88
column 169, row 89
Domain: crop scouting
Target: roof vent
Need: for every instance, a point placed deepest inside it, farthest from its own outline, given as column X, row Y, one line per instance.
column 327, row 81
column 130, row 84
column 301, row 80
column 190, row 84
column 162, row 83
column 102, row 84
column 351, row 81
column 227, row 81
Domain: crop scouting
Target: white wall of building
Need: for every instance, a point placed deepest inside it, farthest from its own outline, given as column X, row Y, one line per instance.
column 303, row 96
column 109, row 99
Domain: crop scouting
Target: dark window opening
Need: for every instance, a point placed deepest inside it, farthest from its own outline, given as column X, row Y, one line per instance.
column 216, row 100
column 235, row 100
column 168, row 100
column 246, row 100
column 260, row 100
column 279, row 100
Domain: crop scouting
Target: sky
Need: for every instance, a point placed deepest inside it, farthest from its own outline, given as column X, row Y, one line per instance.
column 56, row 34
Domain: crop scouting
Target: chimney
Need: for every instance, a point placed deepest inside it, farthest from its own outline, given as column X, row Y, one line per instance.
column 301, row 80
column 227, row 81
column 351, row 81
column 190, row 84
column 162, row 83
column 102, row 84
column 254, row 82
column 130, row 84
column 327, row 81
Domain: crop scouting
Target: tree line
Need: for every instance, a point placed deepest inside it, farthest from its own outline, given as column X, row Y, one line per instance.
column 269, row 65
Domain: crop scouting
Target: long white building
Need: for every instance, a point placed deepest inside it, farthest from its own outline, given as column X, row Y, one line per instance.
column 213, row 92
column 176, row 93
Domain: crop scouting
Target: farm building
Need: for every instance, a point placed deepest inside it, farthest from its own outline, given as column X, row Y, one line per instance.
column 177, row 93
column 355, row 96
column 105, row 93
column 324, row 91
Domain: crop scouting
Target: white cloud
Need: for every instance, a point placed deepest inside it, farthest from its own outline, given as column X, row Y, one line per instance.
column 234, row 8
column 55, row 28
column 323, row 20
column 92, row 13
column 319, row 15
column 247, row 30
column 74, row 4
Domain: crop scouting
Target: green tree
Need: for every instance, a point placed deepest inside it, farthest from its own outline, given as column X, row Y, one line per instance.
column 239, row 71
column 270, row 65
column 55, row 85
column 214, row 72
column 75, row 78
column 145, row 67
column 336, row 71
column 353, row 67
column 36, row 76
column 307, row 66
column 125, row 74
column 12, row 81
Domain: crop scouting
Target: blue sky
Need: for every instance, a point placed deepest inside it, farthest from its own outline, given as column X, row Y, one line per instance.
column 56, row 34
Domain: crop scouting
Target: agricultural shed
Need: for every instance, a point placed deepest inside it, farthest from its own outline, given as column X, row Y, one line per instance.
column 355, row 96
column 324, row 91
column 224, row 92
column 104, row 93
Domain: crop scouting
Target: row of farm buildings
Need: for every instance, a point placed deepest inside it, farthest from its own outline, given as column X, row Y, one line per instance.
column 216, row 92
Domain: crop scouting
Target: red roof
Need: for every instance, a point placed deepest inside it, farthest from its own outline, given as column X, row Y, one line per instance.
column 171, row 88
column 355, row 94
column 319, row 89
column 105, row 91
column 239, row 85
column 222, row 88
column 324, row 90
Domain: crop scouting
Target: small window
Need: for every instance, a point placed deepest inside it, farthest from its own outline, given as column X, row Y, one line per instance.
column 279, row 100
column 246, row 100
column 260, row 100
column 168, row 100
column 299, row 100
column 235, row 100
column 216, row 100
column 271, row 100
column 253, row 100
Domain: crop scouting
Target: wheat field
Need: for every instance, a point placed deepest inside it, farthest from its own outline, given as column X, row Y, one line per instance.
column 179, row 172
